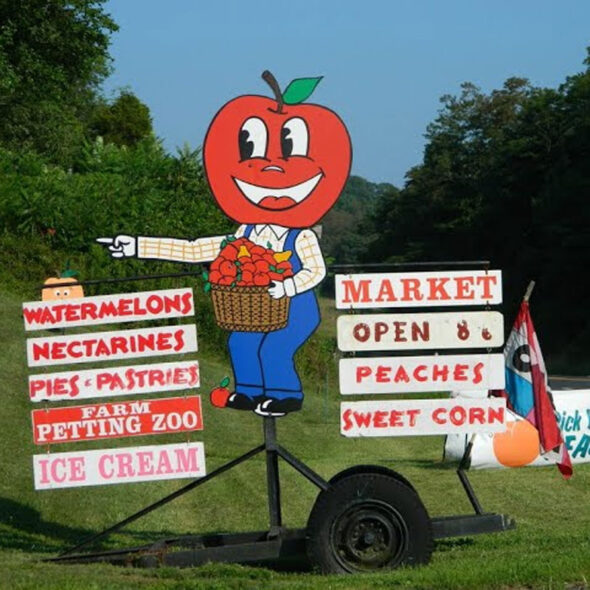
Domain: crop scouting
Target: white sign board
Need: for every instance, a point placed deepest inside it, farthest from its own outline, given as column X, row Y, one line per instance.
column 108, row 309
column 421, row 373
column 122, row 465
column 110, row 346
column 112, row 381
column 519, row 446
column 421, row 417
column 419, row 289
column 472, row 329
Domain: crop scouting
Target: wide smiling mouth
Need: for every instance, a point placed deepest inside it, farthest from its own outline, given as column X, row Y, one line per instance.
column 278, row 197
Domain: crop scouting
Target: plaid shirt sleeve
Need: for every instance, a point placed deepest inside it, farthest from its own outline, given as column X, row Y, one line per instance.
column 177, row 250
column 313, row 268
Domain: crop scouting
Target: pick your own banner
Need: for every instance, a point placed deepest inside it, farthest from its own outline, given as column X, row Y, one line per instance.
column 518, row 445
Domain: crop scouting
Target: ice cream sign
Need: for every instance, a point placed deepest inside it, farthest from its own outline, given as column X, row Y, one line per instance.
column 423, row 332
column 105, row 420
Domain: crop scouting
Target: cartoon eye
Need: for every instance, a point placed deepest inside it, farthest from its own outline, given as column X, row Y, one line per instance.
column 57, row 292
column 253, row 139
column 294, row 138
column 66, row 292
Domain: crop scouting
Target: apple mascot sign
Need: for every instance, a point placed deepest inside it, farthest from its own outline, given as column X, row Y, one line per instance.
column 275, row 166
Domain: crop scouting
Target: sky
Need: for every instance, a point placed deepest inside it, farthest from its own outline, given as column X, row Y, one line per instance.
column 385, row 63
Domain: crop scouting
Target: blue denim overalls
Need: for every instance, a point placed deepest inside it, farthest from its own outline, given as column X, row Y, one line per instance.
column 263, row 362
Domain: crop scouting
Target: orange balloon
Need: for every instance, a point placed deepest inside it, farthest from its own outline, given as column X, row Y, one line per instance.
column 518, row 445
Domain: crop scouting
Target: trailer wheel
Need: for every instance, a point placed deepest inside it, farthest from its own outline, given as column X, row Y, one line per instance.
column 367, row 522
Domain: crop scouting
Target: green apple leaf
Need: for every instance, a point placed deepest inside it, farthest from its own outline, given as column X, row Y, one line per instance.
column 300, row 90
column 224, row 382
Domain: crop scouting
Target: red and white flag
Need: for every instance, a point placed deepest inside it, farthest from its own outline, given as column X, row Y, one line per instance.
column 527, row 390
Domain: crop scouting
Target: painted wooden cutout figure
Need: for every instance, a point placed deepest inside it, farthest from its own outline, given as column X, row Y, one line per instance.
column 276, row 166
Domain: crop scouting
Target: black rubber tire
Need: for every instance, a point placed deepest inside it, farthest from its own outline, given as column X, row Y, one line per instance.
column 367, row 522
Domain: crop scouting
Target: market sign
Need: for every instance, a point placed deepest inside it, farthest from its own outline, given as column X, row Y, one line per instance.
column 108, row 309
column 122, row 465
column 115, row 345
column 474, row 329
column 419, row 289
column 408, row 374
column 116, row 420
column 113, row 381
column 421, row 417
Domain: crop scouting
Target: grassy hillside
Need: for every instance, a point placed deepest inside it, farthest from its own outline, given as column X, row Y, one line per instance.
column 549, row 549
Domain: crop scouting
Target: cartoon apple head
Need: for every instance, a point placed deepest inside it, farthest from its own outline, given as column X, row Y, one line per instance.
column 276, row 160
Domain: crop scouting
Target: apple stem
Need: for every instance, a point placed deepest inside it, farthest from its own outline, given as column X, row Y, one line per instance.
column 272, row 82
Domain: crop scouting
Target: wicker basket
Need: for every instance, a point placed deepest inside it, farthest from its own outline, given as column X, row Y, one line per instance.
column 248, row 309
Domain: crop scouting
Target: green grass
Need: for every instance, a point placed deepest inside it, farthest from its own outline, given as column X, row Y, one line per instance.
column 550, row 548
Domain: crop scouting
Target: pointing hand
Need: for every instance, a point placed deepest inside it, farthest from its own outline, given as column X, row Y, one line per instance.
column 120, row 246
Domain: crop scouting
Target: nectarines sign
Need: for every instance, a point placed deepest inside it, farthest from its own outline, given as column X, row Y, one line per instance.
column 108, row 346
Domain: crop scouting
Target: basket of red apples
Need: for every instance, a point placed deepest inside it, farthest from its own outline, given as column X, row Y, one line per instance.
column 239, row 279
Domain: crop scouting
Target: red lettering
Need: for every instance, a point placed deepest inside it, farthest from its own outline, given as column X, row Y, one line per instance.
column 458, row 415
column 386, row 292
column 488, row 281
column 361, row 332
column 399, row 328
column 354, row 293
column 476, row 415
column 459, row 372
column 436, row 416
column 441, row 373
column 477, row 373
column 379, row 419
column 395, row 418
column 411, row 290
column 362, row 372
column 413, row 414
column 437, row 290
column 420, row 373
column 401, row 375
column 495, row 415
column 463, row 288
column 381, row 328
column 382, row 374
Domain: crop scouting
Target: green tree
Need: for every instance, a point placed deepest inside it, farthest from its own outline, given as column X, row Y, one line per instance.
column 53, row 56
column 505, row 178
column 125, row 121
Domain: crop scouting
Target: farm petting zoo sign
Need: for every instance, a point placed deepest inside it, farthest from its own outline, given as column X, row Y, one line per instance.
column 363, row 376
column 114, row 419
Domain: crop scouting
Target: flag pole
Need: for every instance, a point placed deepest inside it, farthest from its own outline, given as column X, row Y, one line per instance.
column 528, row 292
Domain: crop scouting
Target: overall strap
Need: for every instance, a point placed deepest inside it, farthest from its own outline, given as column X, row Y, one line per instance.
column 290, row 245
column 248, row 230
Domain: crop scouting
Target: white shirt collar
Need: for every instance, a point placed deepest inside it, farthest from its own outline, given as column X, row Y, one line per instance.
column 278, row 230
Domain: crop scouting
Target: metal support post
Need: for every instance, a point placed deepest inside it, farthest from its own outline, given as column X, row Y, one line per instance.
column 272, row 476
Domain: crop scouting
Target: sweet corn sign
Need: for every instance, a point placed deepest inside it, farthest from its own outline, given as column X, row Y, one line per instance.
column 114, row 419
column 366, row 376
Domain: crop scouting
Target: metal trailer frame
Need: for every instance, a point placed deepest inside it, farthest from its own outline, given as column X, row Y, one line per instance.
column 278, row 542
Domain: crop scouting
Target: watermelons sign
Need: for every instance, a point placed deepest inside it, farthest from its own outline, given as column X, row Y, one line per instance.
column 114, row 419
